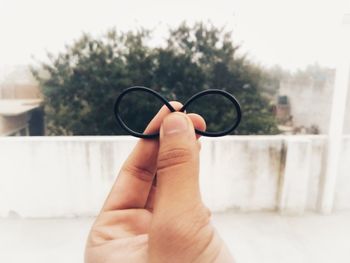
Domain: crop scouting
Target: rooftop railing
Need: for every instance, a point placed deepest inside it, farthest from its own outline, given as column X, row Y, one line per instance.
column 71, row 176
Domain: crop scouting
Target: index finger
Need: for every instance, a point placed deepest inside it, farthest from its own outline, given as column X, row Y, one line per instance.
column 135, row 178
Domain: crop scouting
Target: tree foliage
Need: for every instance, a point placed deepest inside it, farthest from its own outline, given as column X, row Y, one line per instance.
column 81, row 83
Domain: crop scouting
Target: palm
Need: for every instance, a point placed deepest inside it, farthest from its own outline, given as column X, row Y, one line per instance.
column 125, row 231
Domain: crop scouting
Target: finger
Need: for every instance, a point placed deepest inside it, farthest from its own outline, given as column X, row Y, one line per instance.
column 134, row 181
column 198, row 122
column 178, row 166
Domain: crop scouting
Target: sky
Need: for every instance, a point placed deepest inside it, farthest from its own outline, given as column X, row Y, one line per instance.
column 289, row 33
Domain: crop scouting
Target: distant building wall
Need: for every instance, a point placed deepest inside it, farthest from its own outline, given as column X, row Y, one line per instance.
column 19, row 91
column 13, row 124
column 21, row 117
column 18, row 82
column 71, row 176
column 282, row 112
column 310, row 103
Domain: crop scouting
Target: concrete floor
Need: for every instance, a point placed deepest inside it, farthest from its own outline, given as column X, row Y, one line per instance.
column 252, row 238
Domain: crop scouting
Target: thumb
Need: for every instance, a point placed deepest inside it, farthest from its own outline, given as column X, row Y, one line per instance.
column 178, row 165
column 180, row 221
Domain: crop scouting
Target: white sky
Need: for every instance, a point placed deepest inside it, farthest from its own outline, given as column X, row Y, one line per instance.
column 291, row 33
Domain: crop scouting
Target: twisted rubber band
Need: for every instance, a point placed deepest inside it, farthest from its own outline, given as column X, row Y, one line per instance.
column 168, row 105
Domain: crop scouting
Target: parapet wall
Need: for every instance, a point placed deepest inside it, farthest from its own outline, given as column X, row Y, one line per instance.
column 71, row 176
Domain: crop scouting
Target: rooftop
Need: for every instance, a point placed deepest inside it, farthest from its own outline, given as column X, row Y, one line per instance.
column 251, row 237
column 15, row 107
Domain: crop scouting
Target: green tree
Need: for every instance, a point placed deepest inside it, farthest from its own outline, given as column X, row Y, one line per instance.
column 81, row 83
column 209, row 53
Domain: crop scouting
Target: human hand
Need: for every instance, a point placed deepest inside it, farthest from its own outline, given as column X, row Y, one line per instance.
column 148, row 218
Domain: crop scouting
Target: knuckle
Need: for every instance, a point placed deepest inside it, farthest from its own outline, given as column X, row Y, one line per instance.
column 174, row 157
column 97, row 236
column 139, row 172
column 206, row 213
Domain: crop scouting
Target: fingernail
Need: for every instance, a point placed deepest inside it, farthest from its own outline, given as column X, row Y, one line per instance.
column 175, row 123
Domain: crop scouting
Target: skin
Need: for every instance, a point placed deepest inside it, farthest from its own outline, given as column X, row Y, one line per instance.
column 154, row 212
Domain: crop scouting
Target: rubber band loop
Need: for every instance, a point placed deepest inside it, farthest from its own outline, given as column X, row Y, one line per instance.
column 168, row 105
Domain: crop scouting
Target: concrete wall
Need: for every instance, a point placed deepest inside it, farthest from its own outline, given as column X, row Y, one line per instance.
column 71, row 176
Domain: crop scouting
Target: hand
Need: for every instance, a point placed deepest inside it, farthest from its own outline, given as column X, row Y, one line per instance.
column 148, row 218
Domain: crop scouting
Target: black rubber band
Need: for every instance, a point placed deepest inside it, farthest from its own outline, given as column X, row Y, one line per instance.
column 168, row 105
column 228, row 96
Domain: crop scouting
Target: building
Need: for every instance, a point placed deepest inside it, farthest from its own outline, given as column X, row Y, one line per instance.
column 21, row 111
column 21, row 117
column 305, row 104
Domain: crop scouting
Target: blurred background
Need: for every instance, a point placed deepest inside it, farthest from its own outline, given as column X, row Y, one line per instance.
column 270, row 184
